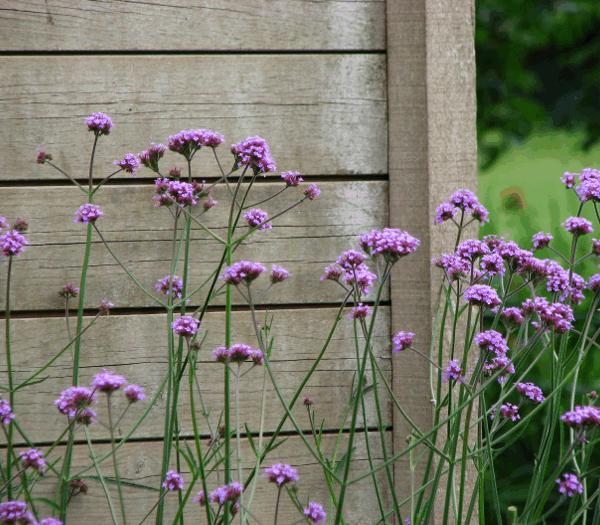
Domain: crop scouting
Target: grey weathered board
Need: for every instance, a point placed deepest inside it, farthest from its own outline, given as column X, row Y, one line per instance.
column 136, row 347
column 320, row 114
column 303, row 241
column 153, row 25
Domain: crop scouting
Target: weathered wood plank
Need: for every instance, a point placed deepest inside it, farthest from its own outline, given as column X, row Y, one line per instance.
column 320, row 114
column 135, row 346
column 57, row 25
column 304, row 241
column 140, row 463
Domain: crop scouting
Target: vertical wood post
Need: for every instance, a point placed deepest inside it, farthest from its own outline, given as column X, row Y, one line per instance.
column 432, row 153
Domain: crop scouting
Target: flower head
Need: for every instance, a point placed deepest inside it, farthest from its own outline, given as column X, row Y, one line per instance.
column 492, row 341
column 152, row 155
column 13, row 512
column 173, row 481
column 227, row 493
column 531, row 391
column 243, row 271
column 453, row 371
column 238, row 353
column 69, row 291
column 209, row 203
column 568, row 179
column 43, row 157
column 360, row 311
column 51, row 521
column 256, row 217
column 582, row 416
column 12, row 243
column 88, row 214
column 511, row 316
column 578, row 226
column 176, row 286
column 188, row 142
column 281, row 473
column 200, row 498
column 482, row 295
column 105, row 307
column 75, row 402
column 6, row 415
column 315, row 513
column 99, row 123
column 34, row 458
column 391, row 243
column 402, row 340
column 107, row 382
column 312, row 192
column 134, row 393
column 279, row 274
column 570, row 485
column 129, row 164
column 507, row 410
column 444, row 212
column 292, row 178
column 186, row 326
column 255, row 153
column 360, row 277
column 541, row 240
column 3, row 223
column 21, row 225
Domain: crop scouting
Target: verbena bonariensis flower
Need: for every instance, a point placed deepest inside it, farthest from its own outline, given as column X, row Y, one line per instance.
column 568, row 179
column 281, row 473
column 361, row 278
column 255, row 217
column 582, row 416
column 472, row 249
column 511, row 316
column 279, row 274
column 51, row 521
column 242, row 271
column 129, row 164
column 152, row 155
column 308, row 401
column 480, row 213
column 75, row 402
column 255, row 153
column 186, row 326
column 596, row 246
column 482, row 295
column 88, row 214
column 188, row 142
column 209, row 203
column 43, row 157
column 453, row 371
column 34, row 458
column 79, row 486
column 314, row 512
column 589, row 190
column 492, row 341
column 444, row 212
column 134, row 393
column 107, row 382
column 541, row 240
column 13, row 512
column 402, row 340
column 556, row 315
column 578, row 226
column 332, row 273
column 531, row 391
column 225, row 494
column 312, row 192
column 177, row 286
column 493, row 264
column 99, row 123
column 464, row 200
column 105, row 307
column 21, row 225
column 238, row 353
column 594, row 283
column 173, row 481
column 6, row 414
column 503, row 364
column 12, row 243
column 200, row 498
column 389, row 242
column 3, row 223
column 570, row 485
column 69, row 291
column 351, row 259
column 454, row 267
column 507, row 410
column 360, row 311
column 292, row 178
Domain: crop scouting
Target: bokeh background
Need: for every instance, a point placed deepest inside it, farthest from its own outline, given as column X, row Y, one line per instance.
column 538, row 96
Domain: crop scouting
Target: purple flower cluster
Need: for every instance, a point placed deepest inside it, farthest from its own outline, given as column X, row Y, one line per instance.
column 134, row 393
column 315, row 513
column 462, row 200
column 107, row 382
column 75, row 402
column 511, row 316
column 69, row 291
column 541, row 240
column 389, row 242
column 173, row 481
column 105, row 307
column 185, row 326
column 188, row 142
column 360, row 311
column 242, row 271
column 34, row 458
column 43, row 157
column 51, row 521
column 255, row 153
column 556, row 315
column 292, row 178
column 312, row 192
column 453, row 371
column 578, row 226
column 3, row 223
column 281, row 473
column 88, row 214
column 279, row 274
column 99, row 123
column 507, row 410
column 6, row 415
column 482, row 295
column 255, row 217
column 174, row 191
column 570, row 485
column 402, row 340
column 12, row 243
column 238, row 353
column 152, row 155
column 177, row 286
column 582, row 416
column 531, row 391
column 500, row 363
column 129, row 164
column 225, row 494
column 15, row 512
column 492, row 341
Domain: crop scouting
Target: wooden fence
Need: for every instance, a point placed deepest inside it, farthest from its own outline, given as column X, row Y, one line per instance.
column 373, row 101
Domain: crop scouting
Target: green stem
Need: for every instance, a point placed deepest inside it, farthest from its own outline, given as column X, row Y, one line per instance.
column 11, row 386
column 114, row 456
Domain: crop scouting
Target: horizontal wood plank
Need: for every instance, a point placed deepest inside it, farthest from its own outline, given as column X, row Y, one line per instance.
column 221, row 25
column 320, row 114
column 140, row 463
column 304, row 241
column 135, row 346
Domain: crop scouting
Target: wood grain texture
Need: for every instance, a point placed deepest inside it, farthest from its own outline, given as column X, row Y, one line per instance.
column 218, row 25
column 304, row 241
column 320, row 114
column 432, row 152
column 135, row 346
column 140, row 463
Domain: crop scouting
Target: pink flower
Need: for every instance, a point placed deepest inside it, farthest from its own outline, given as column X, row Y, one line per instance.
column 176, row 286
column 360, row 311
column 313, row 192
column 402, row 340
column 134, row 393
column 256, row 217
column 389, row 242
column 6, row 415
column 292, row 178
column 34, row 458
column 570, row 485
column 186, row 326
column 188, row 142
column 255, row 153
column 43, row 156
column 105, row 307
column 243, row 271
column 99, row 123
column 12, row 243
column 151, row 156
column 315, row 513
column 173, row 481
column 281, row 473
column 482, row 295
column 88, row 214
column 75, row 402
column 279, row 274
column 541, row 240
column 531, row 391
column 69, row 291
column 578, row 226
column 107, row 382
column 453, row 371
